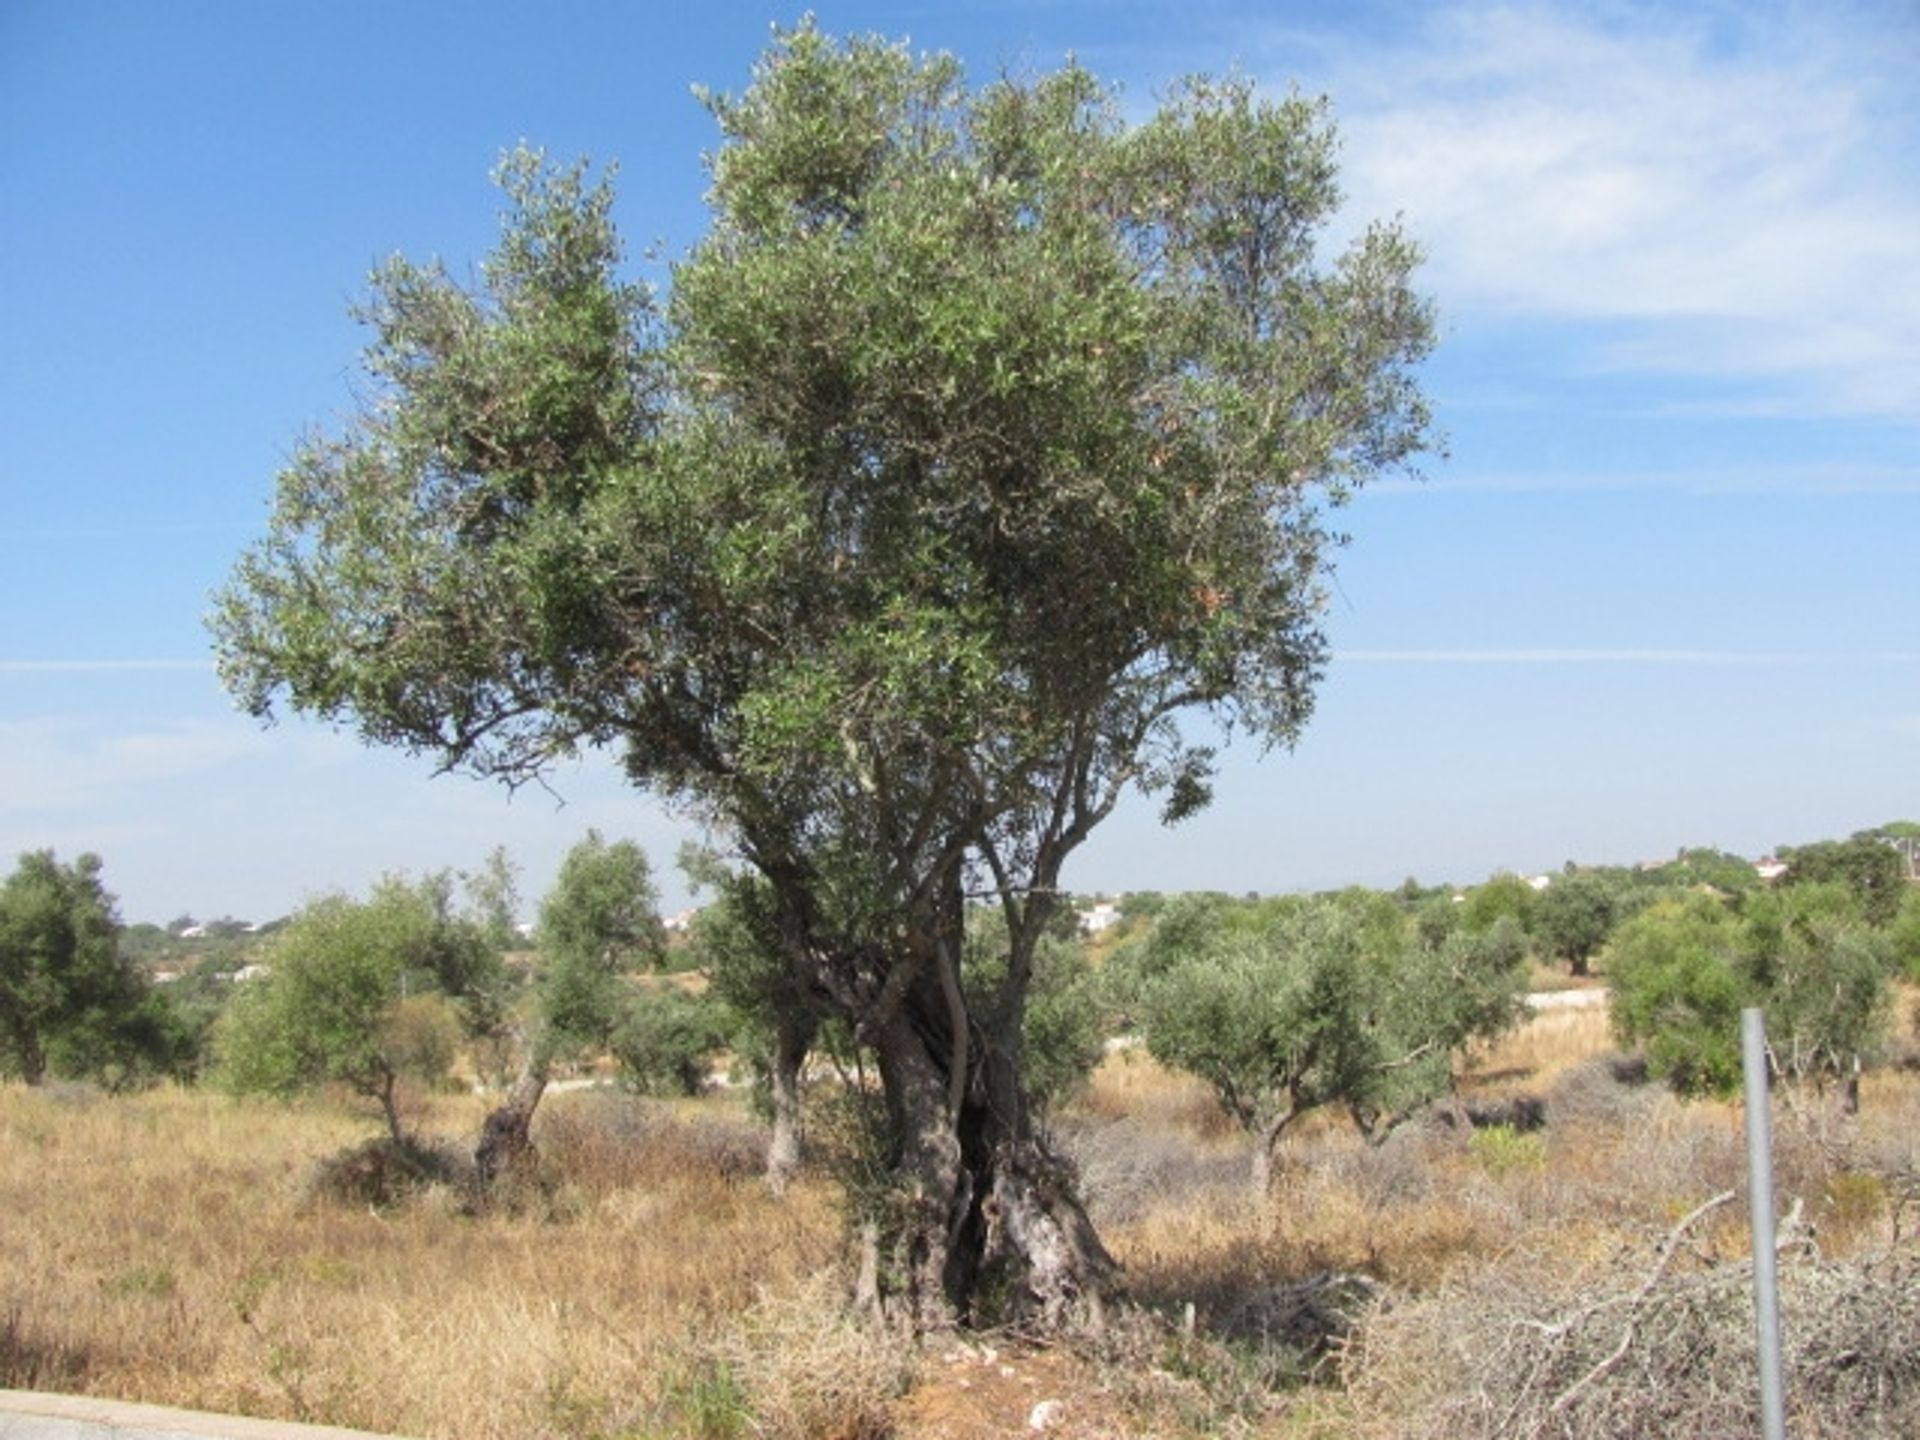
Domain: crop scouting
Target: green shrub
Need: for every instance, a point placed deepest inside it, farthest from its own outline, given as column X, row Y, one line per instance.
column 1682, row 971
column 666, row 1041
column 1677, row 995
column 1503, row 1150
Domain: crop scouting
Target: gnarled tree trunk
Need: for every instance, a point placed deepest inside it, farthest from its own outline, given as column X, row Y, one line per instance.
column 506, row 1140
column 793, row 1035
column 991, row 1230
column 31, row 1055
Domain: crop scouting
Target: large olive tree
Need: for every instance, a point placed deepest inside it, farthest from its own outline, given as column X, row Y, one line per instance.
column 984, row 439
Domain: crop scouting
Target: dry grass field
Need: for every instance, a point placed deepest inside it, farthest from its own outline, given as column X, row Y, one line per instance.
column 166, row 1248
column 170, row 1247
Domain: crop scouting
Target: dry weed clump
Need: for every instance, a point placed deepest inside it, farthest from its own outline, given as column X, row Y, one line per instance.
column 1660, row 1346
column 1602, row 1092
column 605, row 1140
column 1129, row 1167
column 809, row 1370
column 381, row 1173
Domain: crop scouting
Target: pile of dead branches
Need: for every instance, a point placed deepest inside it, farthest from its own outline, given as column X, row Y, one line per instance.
column 1651, row 1345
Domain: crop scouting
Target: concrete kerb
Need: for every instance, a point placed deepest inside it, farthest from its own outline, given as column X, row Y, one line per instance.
column 35, row 1415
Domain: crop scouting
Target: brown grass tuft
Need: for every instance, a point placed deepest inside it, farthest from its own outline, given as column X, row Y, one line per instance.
column 810, row 1371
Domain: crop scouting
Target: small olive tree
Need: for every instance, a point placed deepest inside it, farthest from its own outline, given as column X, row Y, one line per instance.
column 359, row 993
column 668, row 1038
column 493, row 896
column 1573, row 916
column 736, row 942
column 600, row 921
column 1682, row 971
column 1331, row 1002
column 71, row 1004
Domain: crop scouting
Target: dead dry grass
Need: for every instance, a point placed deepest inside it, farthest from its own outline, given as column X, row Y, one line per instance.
column 1532, row 1057
column 162, row 1248
column 168, row 1248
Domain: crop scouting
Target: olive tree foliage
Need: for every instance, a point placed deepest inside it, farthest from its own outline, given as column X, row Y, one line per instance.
column 1573, row 917
column 1903, row 934
column 1502, row 896
column 984, row 440
column 493, row 896
column 1676, row 992
column 1332, row 1001
column 360, row 993
column 1066, row 1020
column 71, row 1004
column 1824, row 974
column 1870, row 864
column 604, row 909
column 1682, row 971
column 598, row 926
column 1728, row 873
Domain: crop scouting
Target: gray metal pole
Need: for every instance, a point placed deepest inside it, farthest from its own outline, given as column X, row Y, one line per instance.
column 1766, row 1270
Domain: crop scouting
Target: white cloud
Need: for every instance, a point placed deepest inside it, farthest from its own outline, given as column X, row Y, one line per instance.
column 1729, row 192
column 52, row 765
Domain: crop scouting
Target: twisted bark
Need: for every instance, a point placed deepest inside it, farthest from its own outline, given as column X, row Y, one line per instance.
column 506, row 1140
column 793, row 1035
column 991, row 1231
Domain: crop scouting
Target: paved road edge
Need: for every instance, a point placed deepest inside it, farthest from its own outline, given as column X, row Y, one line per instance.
column 125, row 1415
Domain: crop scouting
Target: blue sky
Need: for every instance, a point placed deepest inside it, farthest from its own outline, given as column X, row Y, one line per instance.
column 1661, row 591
